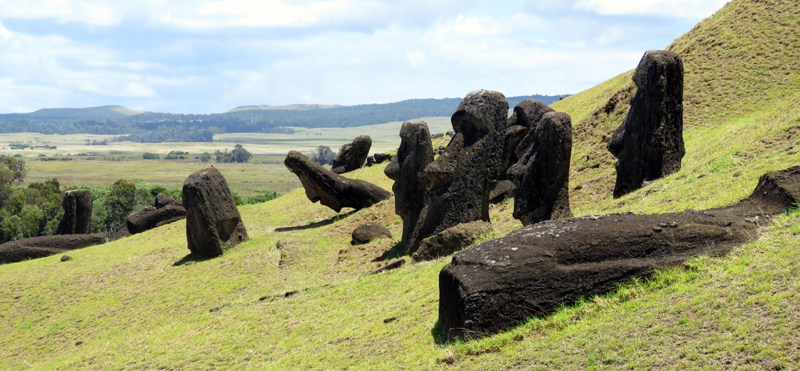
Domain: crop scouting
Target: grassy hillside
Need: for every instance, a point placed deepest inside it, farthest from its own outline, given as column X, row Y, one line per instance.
column 134, row 304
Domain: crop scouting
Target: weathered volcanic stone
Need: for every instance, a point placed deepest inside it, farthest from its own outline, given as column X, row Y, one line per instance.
column 451, row 240
column 77, row 217
column 212, row 219
column 367, row 232
column 649, row 143
column 410, row 186
column 333, row 190
column 542, row 174
column 520, row 129
column 352, row 155
column 39, row 247
column 163, row 200
column 151, row 217
column 498, row 284
column 468, row 170
column 503, row 190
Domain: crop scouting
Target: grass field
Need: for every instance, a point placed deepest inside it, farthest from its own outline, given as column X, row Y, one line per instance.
column 102, row 165
column 132, row 304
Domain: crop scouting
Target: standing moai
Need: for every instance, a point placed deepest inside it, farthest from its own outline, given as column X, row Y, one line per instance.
column 465, row 174
column 542, row 174
column 77, row 218
column 411, row 185
column 212, row 218
column 649, row 143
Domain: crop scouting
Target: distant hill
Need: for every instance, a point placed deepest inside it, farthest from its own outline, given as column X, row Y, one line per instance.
column 81, row 113
column 289, row 107
column 168, row 127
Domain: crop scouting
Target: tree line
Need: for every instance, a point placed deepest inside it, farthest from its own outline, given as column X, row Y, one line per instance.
column 36, row 210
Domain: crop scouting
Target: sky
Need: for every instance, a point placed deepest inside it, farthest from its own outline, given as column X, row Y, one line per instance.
column 200, row 56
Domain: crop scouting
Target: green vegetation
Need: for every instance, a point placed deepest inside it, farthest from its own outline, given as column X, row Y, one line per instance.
column 176, row 155
column 239, row 154
column 132, row 304
column 150, row 156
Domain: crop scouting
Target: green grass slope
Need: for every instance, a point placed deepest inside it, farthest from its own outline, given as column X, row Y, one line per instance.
column 133, row 304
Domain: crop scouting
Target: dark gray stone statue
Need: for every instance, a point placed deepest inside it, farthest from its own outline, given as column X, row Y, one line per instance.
column 465, row 174
column 410, row 183
column 212, row 218
column 77, row 217
column 542, row 174
column 649, row 143
column 352, row 155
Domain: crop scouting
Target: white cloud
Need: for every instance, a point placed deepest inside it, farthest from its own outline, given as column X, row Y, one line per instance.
column 96, row 13
column 4, row 33
column 691, row 9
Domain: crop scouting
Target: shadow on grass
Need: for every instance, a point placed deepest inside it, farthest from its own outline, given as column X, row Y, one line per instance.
column 318, row 224
column 393, row 253
column 190, row 259
column 438, row 334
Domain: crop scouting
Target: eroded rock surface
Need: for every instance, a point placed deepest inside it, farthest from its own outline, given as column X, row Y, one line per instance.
column 451, row 240
column 410, row 186
column 521, row 128
column 367, row 232
column 352, row 155
column 39, row 247
column 330, row 189
column 465, row 174
column 152, row 217
column 542, row 174
column 77, row 218
column 498, row 284
column 649, row 143
column 212, row 218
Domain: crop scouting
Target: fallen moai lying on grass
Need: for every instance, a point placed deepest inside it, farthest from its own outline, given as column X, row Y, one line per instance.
column 212, row 218
column 167, row 210
column 330, row 189
column 39, row 247
column 498, row 284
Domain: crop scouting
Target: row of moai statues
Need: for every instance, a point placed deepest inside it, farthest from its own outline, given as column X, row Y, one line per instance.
column 532, row 149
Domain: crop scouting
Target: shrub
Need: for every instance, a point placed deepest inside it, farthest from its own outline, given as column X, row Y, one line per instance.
column 150, row 156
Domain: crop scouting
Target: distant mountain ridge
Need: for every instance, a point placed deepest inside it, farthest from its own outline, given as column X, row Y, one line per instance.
column 168, row 127
column 111, row 111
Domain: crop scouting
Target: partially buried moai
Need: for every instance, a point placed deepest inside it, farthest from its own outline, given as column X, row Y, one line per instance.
column 410, row 186
column 542, row 173
column 464, row 175
column 212, row 218
column 649, row 143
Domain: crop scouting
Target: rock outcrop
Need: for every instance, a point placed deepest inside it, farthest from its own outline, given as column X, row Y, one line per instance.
column 212, row 218
column 367, row 232
column 77, row 217
column 542, row 173
column 410, row 184
column 330, row 189
column 465, row 174
column 498, row 284
column 167, row 210
column 352, row 155
column 649, row 143
column 451, row 240
column 39, row 247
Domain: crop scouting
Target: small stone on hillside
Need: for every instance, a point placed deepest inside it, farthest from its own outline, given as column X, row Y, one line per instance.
column 367, row 232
